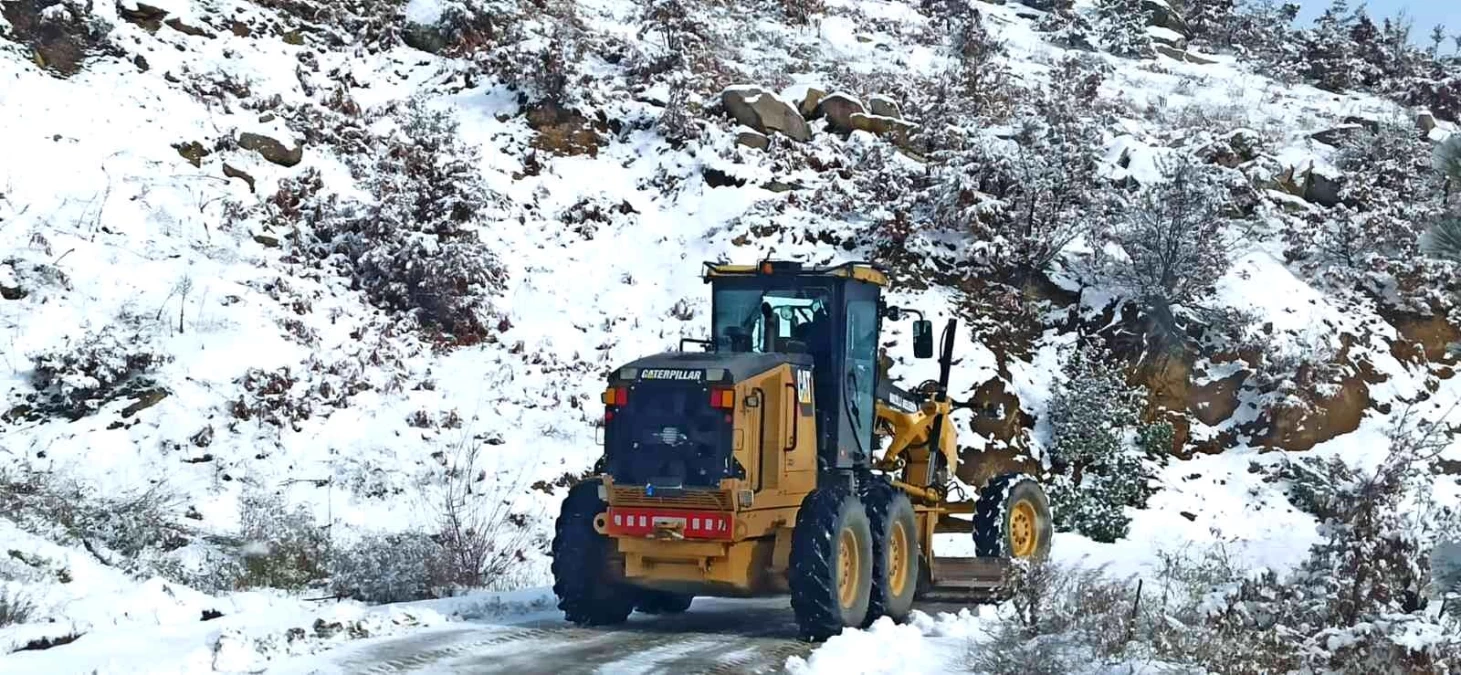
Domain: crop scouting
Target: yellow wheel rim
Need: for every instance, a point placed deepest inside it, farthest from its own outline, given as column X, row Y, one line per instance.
column 1024, row 538
column 849, row 568
column 898, row 553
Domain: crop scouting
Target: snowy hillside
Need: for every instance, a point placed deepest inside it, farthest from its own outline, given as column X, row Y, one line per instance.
column 313, row 299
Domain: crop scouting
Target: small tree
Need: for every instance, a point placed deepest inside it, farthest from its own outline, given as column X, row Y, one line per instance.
column 1097, row 472
column 1122, row 27
column 1446, row 159
column 1329, row 50
column 1174, row 245
column 1211, row 21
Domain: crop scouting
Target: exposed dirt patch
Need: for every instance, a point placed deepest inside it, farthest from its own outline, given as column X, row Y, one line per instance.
column 60, row 41
column 565, row 132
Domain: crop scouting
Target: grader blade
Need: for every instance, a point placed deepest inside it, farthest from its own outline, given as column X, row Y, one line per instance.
column 966, row 580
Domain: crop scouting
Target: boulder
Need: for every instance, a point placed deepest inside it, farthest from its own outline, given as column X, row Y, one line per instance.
column 271, row 149
column 426, row 38
column 1163, row 15
column 192, row 151
column 893, row 129
column 765, row 112
column 1426, row 122
column 1321, row 189
column 1337, row 136
column 1167, row 36
column 808, row 105
column 839, row 108
column 752, row 139
column 883, row 106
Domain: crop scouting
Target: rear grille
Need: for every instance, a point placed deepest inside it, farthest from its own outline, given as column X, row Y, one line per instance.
column 716, row 500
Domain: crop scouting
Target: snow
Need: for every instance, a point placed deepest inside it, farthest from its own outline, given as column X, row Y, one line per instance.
column 91, row 169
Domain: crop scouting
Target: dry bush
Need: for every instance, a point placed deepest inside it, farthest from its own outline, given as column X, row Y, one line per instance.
column 282, row 547
column 1058, row 620
column 127, row 529
column 483, row 540
column 15, row 607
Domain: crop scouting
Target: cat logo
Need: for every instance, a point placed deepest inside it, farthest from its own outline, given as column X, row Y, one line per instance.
column 804, row 387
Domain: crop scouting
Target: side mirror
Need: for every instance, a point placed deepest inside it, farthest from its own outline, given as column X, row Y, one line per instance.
column 922, row 339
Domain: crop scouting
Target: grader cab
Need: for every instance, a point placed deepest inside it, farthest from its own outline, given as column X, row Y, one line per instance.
column 777, row 460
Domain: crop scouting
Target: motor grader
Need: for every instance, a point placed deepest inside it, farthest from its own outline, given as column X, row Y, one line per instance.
column 776, row 459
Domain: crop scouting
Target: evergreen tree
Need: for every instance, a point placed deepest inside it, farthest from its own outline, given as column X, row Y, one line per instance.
column 1097, row 472
column 1438, row 36
column 1328, row 50
column 1211, row 21
column 1373, row 58
column 1121, row 26
column 1263, row 33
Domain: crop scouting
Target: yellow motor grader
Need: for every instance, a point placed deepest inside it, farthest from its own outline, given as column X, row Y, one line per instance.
column 776, row 459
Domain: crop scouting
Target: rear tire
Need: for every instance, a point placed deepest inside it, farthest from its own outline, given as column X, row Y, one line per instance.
column 662, row 602
column 897, row 568
column 1012, row 519
column 588, row 593
column 831, row 570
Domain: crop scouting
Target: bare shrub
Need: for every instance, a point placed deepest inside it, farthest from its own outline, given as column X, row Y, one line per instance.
column 483, row 540
column 125, row 529
column 391, row 568
column 1058, row 620
column 15, row 607
column 283, row 547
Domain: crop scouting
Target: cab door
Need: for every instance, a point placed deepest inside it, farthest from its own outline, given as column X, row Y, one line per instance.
column 857, row 379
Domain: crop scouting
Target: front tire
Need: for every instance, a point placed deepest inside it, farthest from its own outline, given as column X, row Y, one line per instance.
column 897, row 568
column 1012, row 519
column 831, row 564
column 588, row 593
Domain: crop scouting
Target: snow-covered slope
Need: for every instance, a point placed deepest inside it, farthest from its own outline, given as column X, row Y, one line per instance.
column 141, row 234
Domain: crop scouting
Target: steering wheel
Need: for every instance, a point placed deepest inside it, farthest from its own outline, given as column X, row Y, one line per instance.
column 927, row 388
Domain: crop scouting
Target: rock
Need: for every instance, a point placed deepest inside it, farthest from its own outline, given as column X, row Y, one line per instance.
column 270, row 149
column 1247, row 143
column 294, row 37
column 267, row 239
column 883, row 106
column 178, row 25
column 141, row 63
column 148, row 17
column 895, row 130
column 779, row 187
column 192, row 151
column 1337, row 136
column 231, row 172
column 1182, row 55
column 12, row 292
column 808, row 105
column 1301, row 425
column 239, row 28
column 1369, row 125
column 765, row 112
column 1426, row 122
column 1321, row 189
column 1165, row 16
column 752, row 139
column 423, row 37
column 145, row 399
column 839, row 108
column 1167, row 36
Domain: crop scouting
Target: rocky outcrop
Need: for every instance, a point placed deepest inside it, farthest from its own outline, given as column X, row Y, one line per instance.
column 1426, row 122
column 1337, row 136
column 752, row 139
column 895, row 130
column 1163, row 15
column 1182, row 55
column 808, row 105
column 1322, row 189
column 765, row 112
column 272, row 149
column 565, row 132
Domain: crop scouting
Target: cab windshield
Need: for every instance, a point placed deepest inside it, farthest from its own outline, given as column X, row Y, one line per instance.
column 766, row 320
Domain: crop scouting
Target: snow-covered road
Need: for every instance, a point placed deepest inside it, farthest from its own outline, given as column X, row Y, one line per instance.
column 714, row 636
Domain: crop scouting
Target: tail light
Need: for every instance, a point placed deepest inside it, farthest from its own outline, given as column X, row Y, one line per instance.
column 617, row 396
column 723, row 398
